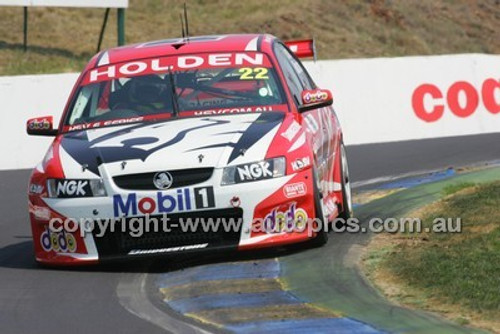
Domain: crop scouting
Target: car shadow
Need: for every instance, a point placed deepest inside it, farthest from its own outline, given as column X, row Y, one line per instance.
column 21, row 256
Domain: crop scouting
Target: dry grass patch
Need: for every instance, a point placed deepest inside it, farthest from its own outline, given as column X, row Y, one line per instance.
column 456, row 275
column 62, row 39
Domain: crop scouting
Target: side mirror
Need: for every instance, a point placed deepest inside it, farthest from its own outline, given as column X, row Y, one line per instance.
column 41, row 126
column 315, row 98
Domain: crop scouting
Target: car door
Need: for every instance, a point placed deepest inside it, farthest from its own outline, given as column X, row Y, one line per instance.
column 317, row 122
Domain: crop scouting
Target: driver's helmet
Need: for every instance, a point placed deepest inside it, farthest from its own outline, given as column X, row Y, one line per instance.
column 149, row 90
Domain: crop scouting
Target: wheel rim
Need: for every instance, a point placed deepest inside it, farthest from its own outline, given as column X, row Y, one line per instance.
column 321, row 204
column 346, row 182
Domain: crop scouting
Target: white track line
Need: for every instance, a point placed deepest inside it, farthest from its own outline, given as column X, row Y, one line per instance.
column 132, row 294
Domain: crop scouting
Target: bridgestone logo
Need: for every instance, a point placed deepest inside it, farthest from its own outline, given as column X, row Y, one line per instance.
column 166, row 250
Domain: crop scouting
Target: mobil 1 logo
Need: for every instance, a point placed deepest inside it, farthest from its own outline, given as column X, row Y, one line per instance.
column 204, row 197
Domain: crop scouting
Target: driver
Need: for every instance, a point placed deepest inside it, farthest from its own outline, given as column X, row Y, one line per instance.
column 149, row 94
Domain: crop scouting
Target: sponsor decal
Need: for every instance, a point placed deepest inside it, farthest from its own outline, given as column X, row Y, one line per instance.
column 35, row 188
column 40, row 124
column 166, row 250
column 59, row 242
column 315, row 96
column 295, row 189
column 163, row 180
column 291, row 218
column 311, row 123
column 292, row 131
column 301, row 163
column 41, row 212
column 167, row 115
column 462, row 99
column 232, row 110
column 185, row 62
column 255, row 171
column 329, row 207
column 263, row 91
column 183, row 199
column 72, row 188
column 87, row 126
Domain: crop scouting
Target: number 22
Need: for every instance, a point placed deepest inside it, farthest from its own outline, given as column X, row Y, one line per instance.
column 248, row 73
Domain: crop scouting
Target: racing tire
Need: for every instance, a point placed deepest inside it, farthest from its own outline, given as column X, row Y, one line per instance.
column 347, row 211
column 322, row 237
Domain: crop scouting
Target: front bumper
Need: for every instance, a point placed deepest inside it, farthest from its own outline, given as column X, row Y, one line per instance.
column 250, row 204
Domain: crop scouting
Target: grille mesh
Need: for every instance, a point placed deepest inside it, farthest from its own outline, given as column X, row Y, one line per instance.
column 181, row 178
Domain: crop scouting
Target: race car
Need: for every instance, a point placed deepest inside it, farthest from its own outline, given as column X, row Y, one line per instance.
column 186, row 145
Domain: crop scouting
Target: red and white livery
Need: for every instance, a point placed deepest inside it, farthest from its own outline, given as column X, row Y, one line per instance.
column 206, row 128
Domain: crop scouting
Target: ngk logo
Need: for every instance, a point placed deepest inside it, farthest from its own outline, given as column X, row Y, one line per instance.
column 256, row 171
column 461, row 98
column 71, row 188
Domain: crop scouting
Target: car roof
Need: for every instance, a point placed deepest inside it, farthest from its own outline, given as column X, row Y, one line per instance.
column 178, row 46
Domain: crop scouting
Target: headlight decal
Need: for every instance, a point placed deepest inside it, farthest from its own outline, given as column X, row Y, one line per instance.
column 68, row 188
column 254, row 171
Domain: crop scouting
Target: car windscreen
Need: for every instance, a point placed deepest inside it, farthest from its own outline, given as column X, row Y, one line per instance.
column 183, row 86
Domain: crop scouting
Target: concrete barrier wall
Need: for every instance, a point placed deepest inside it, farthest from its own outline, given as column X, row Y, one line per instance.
column 393, row 99
column 24, row 97
column 377, row 100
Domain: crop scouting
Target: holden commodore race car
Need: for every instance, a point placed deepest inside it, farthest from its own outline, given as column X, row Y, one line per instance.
column 207, row 128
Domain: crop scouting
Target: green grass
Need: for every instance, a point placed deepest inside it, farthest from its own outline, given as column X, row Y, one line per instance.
column 63, row 39
column 461, row 268
column 456, row 187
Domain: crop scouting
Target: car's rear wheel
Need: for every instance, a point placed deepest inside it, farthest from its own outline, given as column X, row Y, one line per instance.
column 347, row 211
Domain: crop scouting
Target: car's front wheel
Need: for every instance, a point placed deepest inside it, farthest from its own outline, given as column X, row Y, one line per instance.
column 322, row 235
column 347, row 211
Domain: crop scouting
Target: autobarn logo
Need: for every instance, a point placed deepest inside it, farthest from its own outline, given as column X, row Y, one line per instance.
column 72, row 188
column 180, row 200
column 254, row 171
column 295, row 189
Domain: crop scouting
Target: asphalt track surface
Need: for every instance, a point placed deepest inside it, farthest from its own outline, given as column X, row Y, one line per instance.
column 116, row 298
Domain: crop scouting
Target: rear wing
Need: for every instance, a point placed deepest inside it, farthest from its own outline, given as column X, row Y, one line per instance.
column 304, row 48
